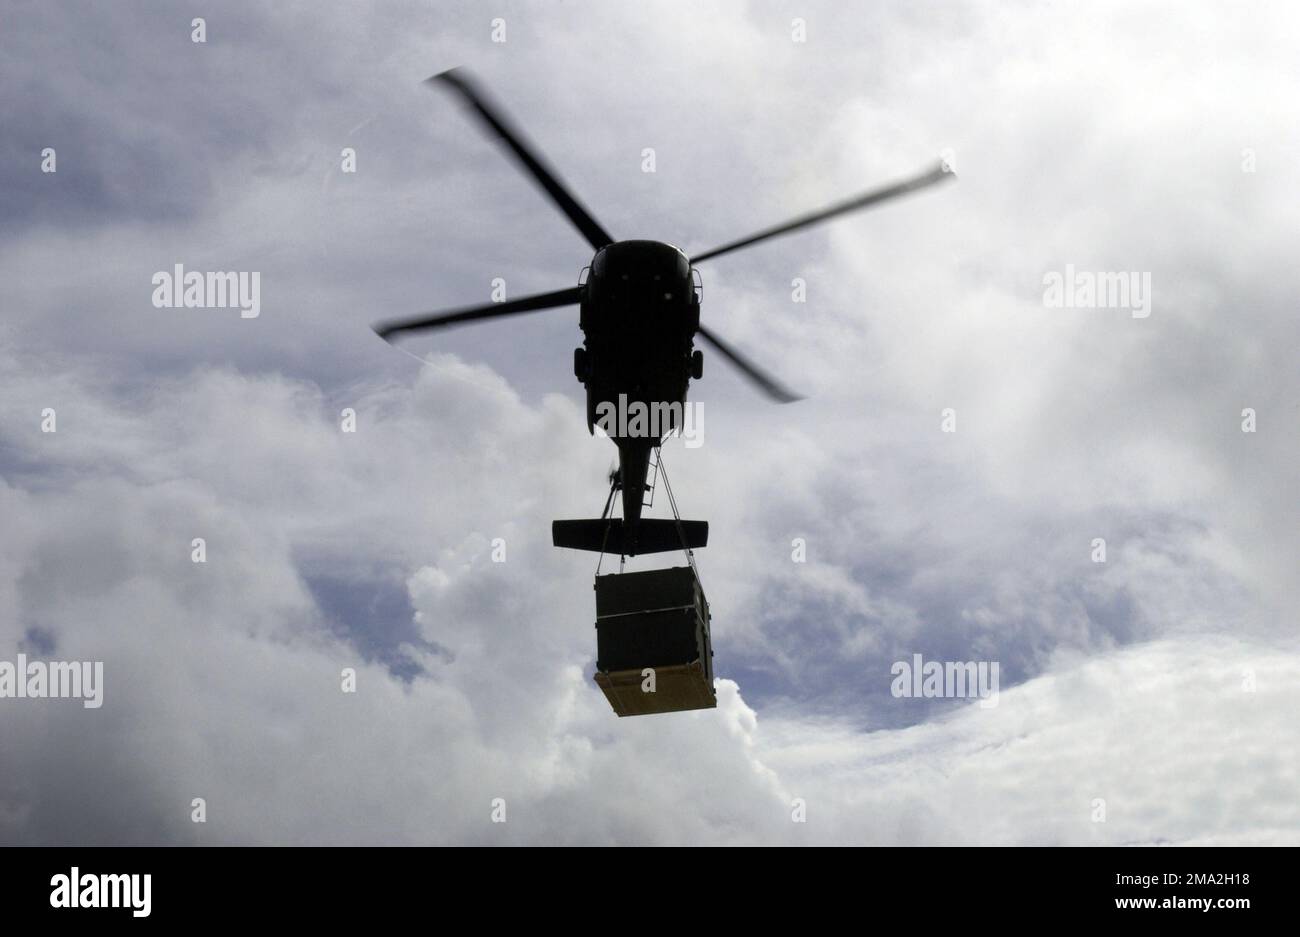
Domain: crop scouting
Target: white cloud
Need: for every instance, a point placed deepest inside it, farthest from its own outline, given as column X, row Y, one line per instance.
column 222, row 682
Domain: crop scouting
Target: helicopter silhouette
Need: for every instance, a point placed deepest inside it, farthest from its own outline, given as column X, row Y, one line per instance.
column 639, row 311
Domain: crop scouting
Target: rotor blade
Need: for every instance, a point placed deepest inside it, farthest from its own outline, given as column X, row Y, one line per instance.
column 565, row 297
column 597, row 236
column 930, row 177
column 765, row 381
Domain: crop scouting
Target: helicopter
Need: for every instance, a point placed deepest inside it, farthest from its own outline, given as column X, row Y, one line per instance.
column 639, row 312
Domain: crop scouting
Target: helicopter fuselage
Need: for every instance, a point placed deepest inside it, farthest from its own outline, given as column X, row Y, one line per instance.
column 640, row 310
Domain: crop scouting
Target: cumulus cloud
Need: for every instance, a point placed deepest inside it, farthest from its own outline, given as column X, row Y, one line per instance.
column 223, row 681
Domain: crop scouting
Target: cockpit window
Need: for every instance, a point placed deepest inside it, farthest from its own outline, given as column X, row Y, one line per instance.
column 640, row 260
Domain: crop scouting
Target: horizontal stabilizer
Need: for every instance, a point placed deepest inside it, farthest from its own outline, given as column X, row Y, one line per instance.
column 651, row 535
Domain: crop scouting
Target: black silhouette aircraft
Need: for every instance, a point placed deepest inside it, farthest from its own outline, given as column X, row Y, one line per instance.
column 639, row 310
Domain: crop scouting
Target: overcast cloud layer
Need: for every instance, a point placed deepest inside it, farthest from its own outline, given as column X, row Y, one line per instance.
column 1162, row 683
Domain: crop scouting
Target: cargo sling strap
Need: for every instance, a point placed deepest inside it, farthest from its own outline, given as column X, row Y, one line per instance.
column 632, row 534
column 684, row 536
column 677, row 517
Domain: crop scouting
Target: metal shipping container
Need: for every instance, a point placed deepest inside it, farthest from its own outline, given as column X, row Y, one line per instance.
column 658, row 619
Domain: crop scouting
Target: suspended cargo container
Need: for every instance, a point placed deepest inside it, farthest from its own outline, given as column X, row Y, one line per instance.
column 656, row 620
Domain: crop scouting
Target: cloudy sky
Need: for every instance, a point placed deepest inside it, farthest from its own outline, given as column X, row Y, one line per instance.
column 1161, row 684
